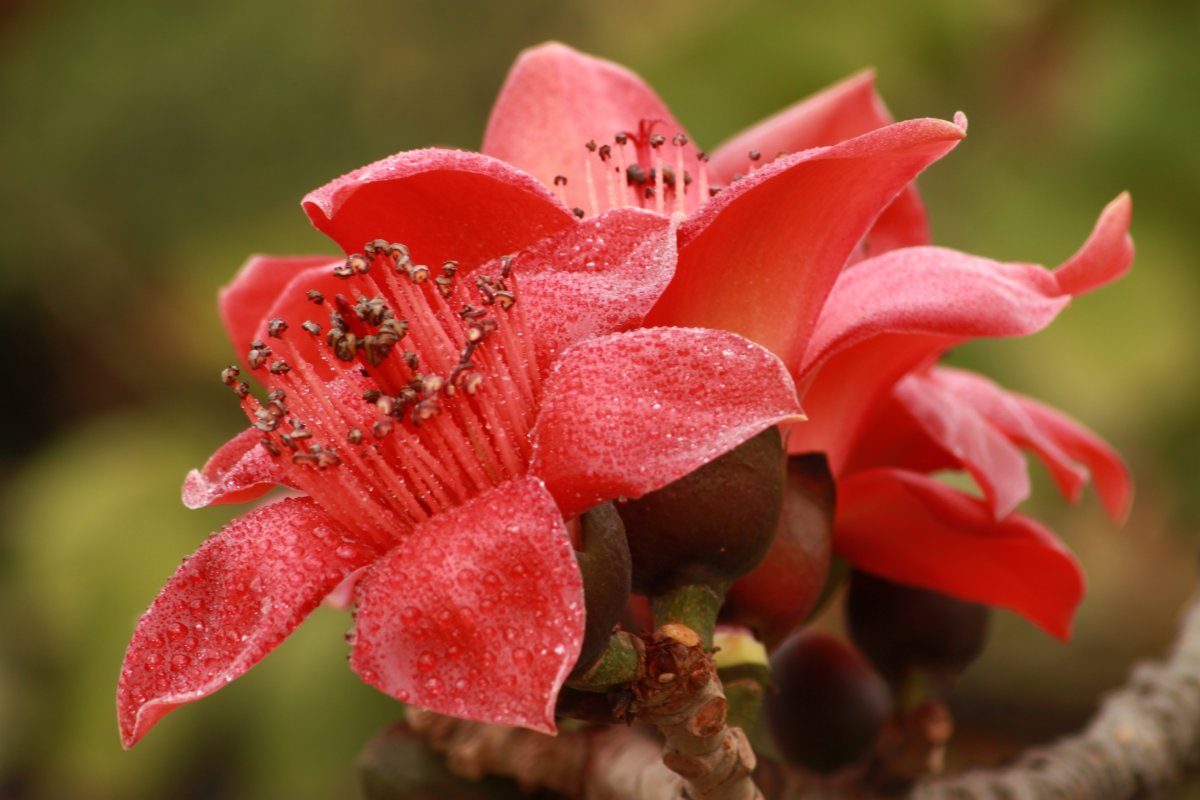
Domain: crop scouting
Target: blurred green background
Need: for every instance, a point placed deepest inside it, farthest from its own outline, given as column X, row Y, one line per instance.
column 146, row 148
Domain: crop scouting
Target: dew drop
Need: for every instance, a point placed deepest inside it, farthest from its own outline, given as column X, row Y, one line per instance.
column 427, row 662
column 346, row 551
column 522, row 657
column 410, row 615
column 434, row 686
column 154, row 661
column 180, row 661
column 175, row 632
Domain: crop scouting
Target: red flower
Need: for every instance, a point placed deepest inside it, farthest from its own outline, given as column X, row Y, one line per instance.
column 822, row 256
column 439, row 424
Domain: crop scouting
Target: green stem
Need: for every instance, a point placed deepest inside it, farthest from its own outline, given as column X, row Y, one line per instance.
column 621, row 662
column 694, row 605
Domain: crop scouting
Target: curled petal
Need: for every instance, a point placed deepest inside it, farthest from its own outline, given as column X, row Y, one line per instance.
column 245, row 301
column 847, row 109
column 1105, row 256
column 478, row 613
column 229, row 605
column 241, row 470
column 975, row 444
column 933, row 291
column 1108, row 470
column 443, row 204
column 912, row 529
column 1069, row 450
column 556, row 100
column 598, row 277
column 760, row 258
column 625, row 414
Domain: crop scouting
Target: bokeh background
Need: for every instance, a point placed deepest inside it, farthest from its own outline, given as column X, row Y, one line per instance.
column 147, row 148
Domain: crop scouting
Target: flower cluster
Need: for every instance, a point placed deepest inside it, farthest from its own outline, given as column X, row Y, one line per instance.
column 590, row 309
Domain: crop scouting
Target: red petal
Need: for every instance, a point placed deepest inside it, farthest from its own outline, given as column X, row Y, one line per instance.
column 241, row 470
column 626, row 414
column 760, row 258
column 844, row 110
column 1003, row 410
column 246, row 300
column 914, row 530
column 956, row 426
column 932, row 290
column 595, row 278
column 443, row 204
column 229, row 605
column 1108, row 470
column 1105, row 256
column 555, row 100
column 477, row 614
column 847, row 109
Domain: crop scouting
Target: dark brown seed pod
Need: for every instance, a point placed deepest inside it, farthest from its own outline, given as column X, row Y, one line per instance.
column 829, row 705
column 711, row 526
column 605, row 564
column 904, row 628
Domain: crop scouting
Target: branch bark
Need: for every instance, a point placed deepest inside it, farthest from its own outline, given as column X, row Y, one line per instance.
column 1145, row 736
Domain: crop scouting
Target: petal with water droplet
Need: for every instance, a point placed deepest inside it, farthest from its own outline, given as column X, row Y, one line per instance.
column 597, row 277
column 245, row 301
column 227, row 606
column 423, row 634
column 626, row 414
column 241, row 470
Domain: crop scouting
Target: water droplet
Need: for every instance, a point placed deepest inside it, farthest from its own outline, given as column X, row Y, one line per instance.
column 427, row 662
column 346, row 551
column 434, row 686
column 522, row 657
column 154, row 661
column 403, row 696
column 454, row 652
column 180, row 661
column 189, row 644
column 410, row 615
column 175, row 632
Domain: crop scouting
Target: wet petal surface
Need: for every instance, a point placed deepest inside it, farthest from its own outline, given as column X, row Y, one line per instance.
column 228, row 605
column 478, row 613
column 240, row 471
column 623, row 415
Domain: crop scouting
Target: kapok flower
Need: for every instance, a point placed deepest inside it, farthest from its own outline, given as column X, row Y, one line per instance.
column 444, row 400
column 814, row 212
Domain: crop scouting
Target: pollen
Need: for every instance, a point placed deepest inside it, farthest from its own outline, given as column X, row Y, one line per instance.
column 374, row 432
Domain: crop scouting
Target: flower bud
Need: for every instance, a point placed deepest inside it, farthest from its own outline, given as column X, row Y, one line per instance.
column 830, row 704
column 904, row 628
column 604, row 563
column 711, row 526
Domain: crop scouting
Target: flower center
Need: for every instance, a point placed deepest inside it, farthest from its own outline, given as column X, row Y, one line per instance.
column 647, row 170
column 409, row 400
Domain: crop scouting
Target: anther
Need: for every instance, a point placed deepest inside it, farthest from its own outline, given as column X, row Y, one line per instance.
column 635, row 175
column 431, row 385
column 679, row 139
column 375, row 247
column 382, row 427
column 270, row 446
column 505, row 300
column 578, row 212
column 506, row 265
column 621, row 138
column 398, row 252
column 605, row 152
column 445, row 285
column 393, row 328
column 276, row 327
column 344, row 345
column 241, row 389
column 591, row 145
column 354, row 436
column 386, row 404
column 315, row 296
column 657, row 140
column 279, row 367
column 560, row 180
column 425, row 409
column 257, row 357
column 311, row 327
column 229, row 375
column 754, row 155
column 449, row 268
column 418, row 273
